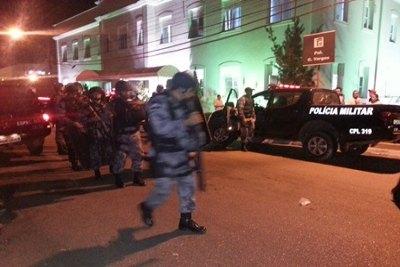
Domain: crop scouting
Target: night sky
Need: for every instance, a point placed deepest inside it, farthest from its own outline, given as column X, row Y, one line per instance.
column 34, row 15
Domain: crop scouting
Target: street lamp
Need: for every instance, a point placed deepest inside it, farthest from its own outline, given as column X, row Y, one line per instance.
column 15, row 33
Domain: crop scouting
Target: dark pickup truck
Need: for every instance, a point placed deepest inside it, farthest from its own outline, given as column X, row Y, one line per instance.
column 22, row 121
column 314, row 117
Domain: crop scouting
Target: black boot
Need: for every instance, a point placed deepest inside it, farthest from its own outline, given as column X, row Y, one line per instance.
column 186, row 223
column 146, row 213
column 118, row 181
column 137, row 179
column 97, row 174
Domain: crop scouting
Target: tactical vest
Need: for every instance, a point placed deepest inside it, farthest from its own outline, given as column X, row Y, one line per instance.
column 248, row 107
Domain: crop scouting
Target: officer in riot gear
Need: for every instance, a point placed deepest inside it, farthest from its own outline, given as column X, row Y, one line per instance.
column 99, row 131
column 73, row 113
column 247, row 117
column 128, row 114
column 172, row 120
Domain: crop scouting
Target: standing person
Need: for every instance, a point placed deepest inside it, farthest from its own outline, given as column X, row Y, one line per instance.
column 99, row 132
column 128, row 113
column 247, row 117
column 171, row 129
column 59, row 129
column 356, row 99
column 218, row 105
column 339, row 92
column 70, row 108
column 373, row 97
column 159, row 89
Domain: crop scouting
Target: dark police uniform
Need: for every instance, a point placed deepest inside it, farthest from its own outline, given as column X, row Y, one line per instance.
column 100, row 132
column 172, row 141
column 127, row 116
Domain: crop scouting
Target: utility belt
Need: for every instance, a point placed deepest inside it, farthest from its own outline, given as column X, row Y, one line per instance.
column 167, row 148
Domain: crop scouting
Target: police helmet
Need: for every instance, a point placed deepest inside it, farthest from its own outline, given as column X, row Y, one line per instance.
column 182, row 80
column 96, row 89
column 122, row 86
column 71, row 88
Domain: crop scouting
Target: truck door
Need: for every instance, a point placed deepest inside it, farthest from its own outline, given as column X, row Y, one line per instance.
column 282, row 114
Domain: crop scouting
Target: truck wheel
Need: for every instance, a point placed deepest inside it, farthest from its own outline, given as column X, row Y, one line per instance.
column 220, row 133
column 354, row 150
column 319, row 146
column 35, row 146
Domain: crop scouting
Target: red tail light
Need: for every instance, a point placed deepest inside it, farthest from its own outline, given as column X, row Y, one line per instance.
column 46, row 117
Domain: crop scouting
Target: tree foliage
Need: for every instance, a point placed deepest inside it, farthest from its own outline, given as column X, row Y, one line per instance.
column 289, row 55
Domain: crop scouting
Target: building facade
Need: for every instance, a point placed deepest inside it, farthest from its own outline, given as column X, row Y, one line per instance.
column 225, row 43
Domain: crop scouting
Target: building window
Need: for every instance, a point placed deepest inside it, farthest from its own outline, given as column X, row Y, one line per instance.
column 281, row 10
column 393, row 28
column 232, row 19
column 342, row 10
column 139, row 32
column 86, row 45
column 196, row 22
column 230, row 77
column 75, row 50
column 64, row 54
column 363, row 75
column 122, row 38
column 368, row 20
column 165, row 26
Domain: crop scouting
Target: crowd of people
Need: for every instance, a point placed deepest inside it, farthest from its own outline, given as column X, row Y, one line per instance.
column 356, row 99
column 95, row 132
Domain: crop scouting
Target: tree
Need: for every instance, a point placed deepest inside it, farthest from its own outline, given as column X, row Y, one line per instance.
column 289, row 55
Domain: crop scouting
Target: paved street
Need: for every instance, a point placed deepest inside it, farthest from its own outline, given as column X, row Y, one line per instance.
column 56, row 217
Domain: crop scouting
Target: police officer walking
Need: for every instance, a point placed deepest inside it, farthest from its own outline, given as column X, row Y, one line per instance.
column 127, row 116
column 171, row 123
column 99, row 131
column 247, row 117
column 72, row 113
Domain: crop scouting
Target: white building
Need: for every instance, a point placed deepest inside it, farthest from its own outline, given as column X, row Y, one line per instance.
column 225, row 41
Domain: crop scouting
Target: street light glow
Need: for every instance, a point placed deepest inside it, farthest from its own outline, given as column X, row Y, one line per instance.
column 16, row 33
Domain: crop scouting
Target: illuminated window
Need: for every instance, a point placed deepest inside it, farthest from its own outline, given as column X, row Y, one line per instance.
column 139, row 31
column 232, row 19
column 342, row 10
column 230, row 77
column 270, row 73
column 123, row 38
column 64, row 53
column 280, row 10
column 363, row 79
column 393, row 28
column 165, row 27
column 368, row 20
column 86, row 45
column 75, row 50
column 196, row 22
